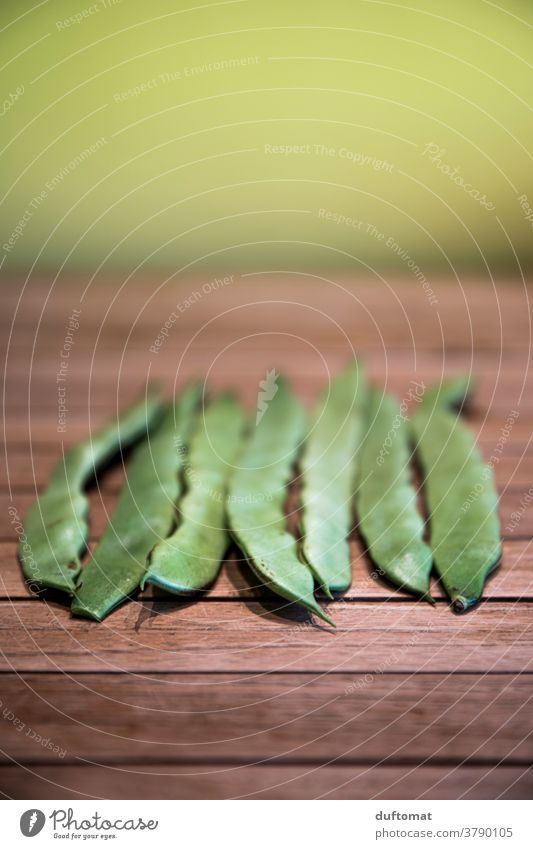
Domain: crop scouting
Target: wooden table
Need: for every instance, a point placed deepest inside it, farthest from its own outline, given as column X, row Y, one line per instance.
column 238, row 694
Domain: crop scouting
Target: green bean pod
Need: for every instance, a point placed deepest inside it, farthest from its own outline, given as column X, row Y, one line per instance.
column 56, row 525
column 144, row 514
column 386, row 501
column 461, row 496
column 257, row 496
column 190, row 559
column 453, row 393
column 329, row 467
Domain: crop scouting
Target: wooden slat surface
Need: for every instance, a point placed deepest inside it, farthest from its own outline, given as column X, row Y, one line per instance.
column 237, row 694
column 183, row 718
column 222, row 781
column 185, row 636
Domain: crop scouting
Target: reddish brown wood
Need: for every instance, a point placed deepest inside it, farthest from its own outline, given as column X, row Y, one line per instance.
column 310, row 718
column 220, row 781
column 390, row 704
column 184, row 636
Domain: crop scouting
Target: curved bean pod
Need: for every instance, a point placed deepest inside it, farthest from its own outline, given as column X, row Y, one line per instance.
column 56, row 525
column 453, row 393
column 144, row 514
column 189, row 560
column 461, row 496
column 386, row 501
column 329, row 468
column 257, row 495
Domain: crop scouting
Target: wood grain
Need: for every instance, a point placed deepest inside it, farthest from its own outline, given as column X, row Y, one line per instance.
column 182, row 636
column 116, row 719
column 159, row 781
column 237, row 694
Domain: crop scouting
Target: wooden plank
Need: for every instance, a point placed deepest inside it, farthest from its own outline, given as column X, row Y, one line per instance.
column 219, row 781
column 115, row 337
column 113, row 719
column 253, row 636
column 513, row 504
column 350, row 302
column 513, row 580
column 336, row 345
column 473, row 300
column 468, row 303
column 103, row 368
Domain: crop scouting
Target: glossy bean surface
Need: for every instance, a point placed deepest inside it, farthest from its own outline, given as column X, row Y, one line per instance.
column 56, row 526
column 329, row 468
column 461, row 497
column 257, row 496
column 389, row 519
column 190, row 559
column 144, row 514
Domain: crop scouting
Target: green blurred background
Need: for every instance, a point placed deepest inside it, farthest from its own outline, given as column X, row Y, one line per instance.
column 140, row 136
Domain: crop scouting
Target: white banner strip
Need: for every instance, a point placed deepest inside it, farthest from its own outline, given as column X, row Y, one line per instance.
column 264, row 824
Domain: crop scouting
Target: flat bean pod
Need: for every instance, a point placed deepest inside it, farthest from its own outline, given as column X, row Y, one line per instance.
column 56, row 525
column 144, row 514
column 329, row 468
column 386, row 500
column 461, row 496
column 257, row 495
column 452, row 393
column 190, row 559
